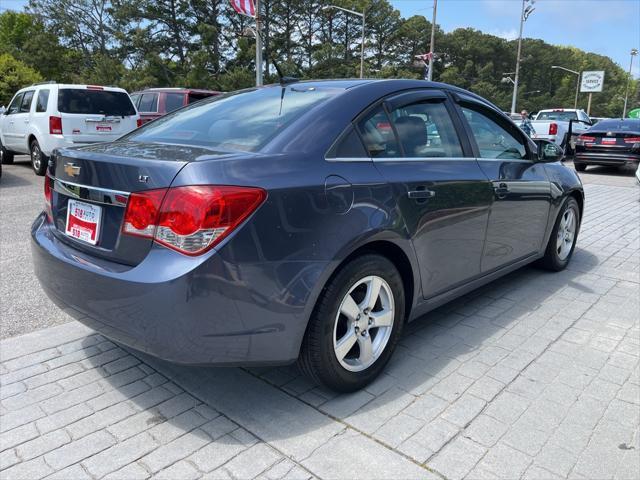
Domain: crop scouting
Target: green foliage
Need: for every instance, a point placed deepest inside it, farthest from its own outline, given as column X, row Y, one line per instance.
column 205, row 44
column 14, row 75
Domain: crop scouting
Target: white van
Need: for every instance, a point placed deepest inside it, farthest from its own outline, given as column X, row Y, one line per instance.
column 46, row 116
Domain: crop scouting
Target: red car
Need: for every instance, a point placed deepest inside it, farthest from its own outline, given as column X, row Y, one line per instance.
column 153, row 103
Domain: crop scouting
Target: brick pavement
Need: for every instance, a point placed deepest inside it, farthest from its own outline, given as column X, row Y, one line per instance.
column 535, row 376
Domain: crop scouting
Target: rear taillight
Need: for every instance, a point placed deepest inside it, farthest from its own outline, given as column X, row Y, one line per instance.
column 582, row 139
column 55, row 126
column 48, row 197
column 191, row 219
column 553, row 128
column 138, row 122
column 632, row 140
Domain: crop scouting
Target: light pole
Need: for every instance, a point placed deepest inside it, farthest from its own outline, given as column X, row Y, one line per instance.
column 527, row 9
column 258, row 46
column 575, row 103
column 433, row 40
column 353, row 12
column 634, row 52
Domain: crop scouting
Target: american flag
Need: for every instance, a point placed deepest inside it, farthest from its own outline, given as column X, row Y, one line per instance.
column 425, row 57
column 244, row 7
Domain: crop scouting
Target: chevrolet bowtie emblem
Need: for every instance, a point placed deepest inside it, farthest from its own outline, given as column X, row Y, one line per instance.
column 71, row 169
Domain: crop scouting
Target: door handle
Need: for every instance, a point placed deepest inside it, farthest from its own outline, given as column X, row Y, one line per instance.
column 421, row 193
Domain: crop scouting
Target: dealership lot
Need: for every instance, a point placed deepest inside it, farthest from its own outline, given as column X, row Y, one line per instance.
column 533, row 376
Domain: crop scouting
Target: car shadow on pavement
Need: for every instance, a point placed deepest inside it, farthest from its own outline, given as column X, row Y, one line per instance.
column 10, row 180
column 475, row 345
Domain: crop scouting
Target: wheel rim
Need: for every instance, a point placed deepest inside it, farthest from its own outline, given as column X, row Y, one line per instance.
column 363, row 324
column 566, row 233
column 36, row 156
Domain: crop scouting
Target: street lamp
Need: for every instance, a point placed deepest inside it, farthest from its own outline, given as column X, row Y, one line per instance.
column 433, row 40
column 527, row 9
column 353, row 12
column 634, row 52
column 575, row 103
column 507, row 78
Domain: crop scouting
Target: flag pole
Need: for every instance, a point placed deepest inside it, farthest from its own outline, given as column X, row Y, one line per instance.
column 258, row 45
column 433, row 39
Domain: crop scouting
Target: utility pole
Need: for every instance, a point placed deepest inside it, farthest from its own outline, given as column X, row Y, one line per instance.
column 258, row 45
column 433, row 40
column 575, row 102
column 353, row 12
column 634, row 52
column 527, row 9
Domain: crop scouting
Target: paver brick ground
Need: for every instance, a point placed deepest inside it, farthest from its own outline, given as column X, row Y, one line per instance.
column 534, row 376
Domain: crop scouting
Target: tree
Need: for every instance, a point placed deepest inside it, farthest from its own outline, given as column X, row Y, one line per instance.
column 14, row 75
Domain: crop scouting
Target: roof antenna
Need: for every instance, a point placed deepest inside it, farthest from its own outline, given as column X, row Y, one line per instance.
column 284, row 80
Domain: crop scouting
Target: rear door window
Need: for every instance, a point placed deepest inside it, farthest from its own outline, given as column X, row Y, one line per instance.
column 378, row 135
column 148, row 102
column 43, row 100
column 15, row 104
column 349, row 145
column 25, row 105
column 76, row 100
column 173, row 101
column 135, row 98
column 425, row 129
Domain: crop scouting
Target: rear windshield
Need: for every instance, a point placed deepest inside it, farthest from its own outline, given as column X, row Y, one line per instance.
column 562, row 116
column 618, row 125
column 74, row 100
column 245, row 120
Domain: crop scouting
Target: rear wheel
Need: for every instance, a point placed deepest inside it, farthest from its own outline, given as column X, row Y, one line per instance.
column 580, row 167
column 563, row 237
column 38, row 159
column 6, row 157
column 355, row 325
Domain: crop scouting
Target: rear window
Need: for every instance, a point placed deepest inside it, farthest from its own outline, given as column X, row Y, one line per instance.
column 561, row 116
column 173, row 101
column 74, row 100
column 618, row 125
column 244, row 120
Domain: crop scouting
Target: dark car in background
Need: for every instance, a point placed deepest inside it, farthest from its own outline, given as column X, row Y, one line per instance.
column 306, row 221
column 153, row 103
column 611, row 142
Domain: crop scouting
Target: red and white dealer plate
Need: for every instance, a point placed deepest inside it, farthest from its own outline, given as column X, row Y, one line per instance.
column 83, row 221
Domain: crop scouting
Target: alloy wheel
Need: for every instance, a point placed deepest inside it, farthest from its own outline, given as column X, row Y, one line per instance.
column 363, row 324
column 566, row 233
column 36, row 156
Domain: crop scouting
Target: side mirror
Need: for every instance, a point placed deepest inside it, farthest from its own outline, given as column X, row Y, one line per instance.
column 549, row 152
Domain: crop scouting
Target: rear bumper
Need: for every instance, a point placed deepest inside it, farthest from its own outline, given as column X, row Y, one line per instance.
column 187, row 310
column 602, row 158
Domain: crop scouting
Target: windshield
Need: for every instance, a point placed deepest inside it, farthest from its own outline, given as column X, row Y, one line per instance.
column 562, row 116
column 75, row 100
column 244, row 120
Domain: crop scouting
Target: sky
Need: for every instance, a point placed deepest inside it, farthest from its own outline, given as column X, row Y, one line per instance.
column 607, row 27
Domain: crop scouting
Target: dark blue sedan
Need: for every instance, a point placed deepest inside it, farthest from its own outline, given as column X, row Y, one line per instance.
column 299, row 222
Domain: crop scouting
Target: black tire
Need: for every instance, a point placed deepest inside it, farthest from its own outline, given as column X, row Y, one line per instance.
column 318, row 358
column 580, row 167
column 552, row 259
column 39, row 160
column 6, row 157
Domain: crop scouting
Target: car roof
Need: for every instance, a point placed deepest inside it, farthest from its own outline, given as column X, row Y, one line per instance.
column 177, row 90
column 72, row 86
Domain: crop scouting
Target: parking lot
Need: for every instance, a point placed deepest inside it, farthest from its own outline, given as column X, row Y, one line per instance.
column 534, row 376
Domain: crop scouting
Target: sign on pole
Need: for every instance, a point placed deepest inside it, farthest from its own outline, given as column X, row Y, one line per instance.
column 592, row 81
column 635, row 113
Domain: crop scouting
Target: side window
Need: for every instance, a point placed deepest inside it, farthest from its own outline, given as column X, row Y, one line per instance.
column 173, row 101
column 135, row 98
column 426, row 130
column 348, row 146
column 148, row 102
column 43, row 99
column 14, row 107
column 25, row 106
column 377, row 134
column 493, row 140
column 583, row 116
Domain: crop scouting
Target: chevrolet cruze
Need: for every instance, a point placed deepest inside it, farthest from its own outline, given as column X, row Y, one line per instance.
column 300, row 222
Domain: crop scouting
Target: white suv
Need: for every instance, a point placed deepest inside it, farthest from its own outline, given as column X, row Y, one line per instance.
column 43, row 117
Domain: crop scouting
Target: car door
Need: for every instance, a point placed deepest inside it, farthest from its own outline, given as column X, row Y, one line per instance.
column 21, row 123
column 521, row 188
column 8, row 122
column 442, row 195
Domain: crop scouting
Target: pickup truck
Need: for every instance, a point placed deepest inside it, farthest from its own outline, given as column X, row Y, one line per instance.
column 556, row 124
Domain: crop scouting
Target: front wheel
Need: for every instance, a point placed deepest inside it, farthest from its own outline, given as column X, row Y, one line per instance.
column 355, row 325
column 563, row 237
column 38, row 159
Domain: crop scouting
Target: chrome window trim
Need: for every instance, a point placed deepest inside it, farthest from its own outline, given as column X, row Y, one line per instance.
column 348, row 159
column 420, row 159
column 104, row 196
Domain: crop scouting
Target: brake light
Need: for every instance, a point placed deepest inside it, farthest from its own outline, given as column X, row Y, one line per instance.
column 632, row 140
column 191, row 219
column 138, row 123
column 94, row 87
column 48, row 197
column 586, row 139
column 553, row 128
column 55, row 126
